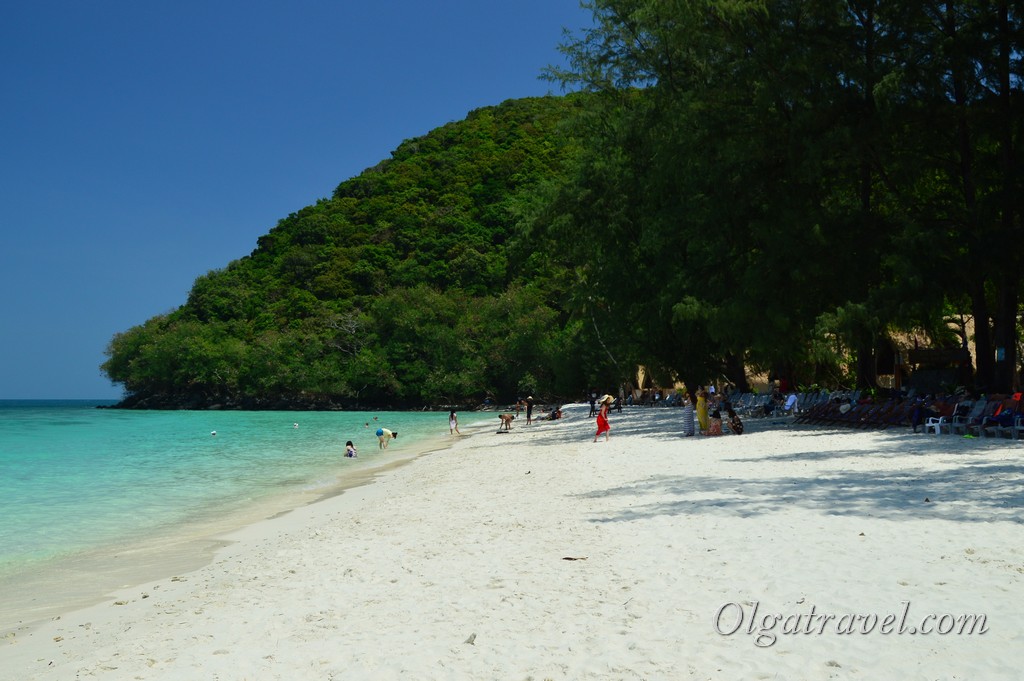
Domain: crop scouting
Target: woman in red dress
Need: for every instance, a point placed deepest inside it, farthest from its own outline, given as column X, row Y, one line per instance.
column 602, row 417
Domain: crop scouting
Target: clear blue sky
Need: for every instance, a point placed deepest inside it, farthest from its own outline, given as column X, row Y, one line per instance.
column 143, row 144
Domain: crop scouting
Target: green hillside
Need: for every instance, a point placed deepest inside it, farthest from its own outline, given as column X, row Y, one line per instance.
column 411, row 285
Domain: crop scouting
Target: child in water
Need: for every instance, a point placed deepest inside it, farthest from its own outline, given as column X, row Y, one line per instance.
column 350, row 449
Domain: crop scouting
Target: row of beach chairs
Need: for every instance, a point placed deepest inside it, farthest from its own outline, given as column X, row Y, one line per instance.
column 793, row 404
column 997, row 416
column 847, row 412
column 994, row 416
column 757, row 405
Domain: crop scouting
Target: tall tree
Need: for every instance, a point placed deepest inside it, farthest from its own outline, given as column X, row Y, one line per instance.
column 820, row 149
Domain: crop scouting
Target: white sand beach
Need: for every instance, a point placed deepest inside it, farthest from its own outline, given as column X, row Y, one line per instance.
column 457, row 566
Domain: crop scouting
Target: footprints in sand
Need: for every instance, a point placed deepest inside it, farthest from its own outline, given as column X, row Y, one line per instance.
column 974, row 557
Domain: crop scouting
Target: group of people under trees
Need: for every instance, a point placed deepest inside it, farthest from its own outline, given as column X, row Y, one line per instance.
column 708, row 408
column 695, row 413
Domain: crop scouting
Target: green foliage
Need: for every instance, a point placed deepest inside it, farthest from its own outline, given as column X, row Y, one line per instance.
column 396, row 290
column 754, row 172
column 745, row 183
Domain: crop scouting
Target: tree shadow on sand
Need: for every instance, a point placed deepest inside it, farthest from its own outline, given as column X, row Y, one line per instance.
column 971, row 481
column 978, row 492
column 658, row 422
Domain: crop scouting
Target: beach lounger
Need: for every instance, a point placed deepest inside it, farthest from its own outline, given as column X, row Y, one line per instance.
column 900, row 414
column 1002, row 421
column 1018, row 426
column 871, row 415
column 811, row 413
column 975, row 426
column 961, row 423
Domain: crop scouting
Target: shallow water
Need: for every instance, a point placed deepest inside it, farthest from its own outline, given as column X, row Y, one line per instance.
column 75, row 479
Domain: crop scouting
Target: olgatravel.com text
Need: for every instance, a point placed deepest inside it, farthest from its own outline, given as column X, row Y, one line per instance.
column 766, row 627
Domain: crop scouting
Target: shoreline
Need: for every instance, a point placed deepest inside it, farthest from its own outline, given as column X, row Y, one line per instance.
column 68, row 583
column 539, row 553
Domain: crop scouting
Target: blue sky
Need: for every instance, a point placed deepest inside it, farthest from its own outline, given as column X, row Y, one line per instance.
column 143, row 144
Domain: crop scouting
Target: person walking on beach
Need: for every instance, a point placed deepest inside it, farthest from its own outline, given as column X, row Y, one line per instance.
column 384, row 436
column 529, row 410
column 453, row 423
column 593, row 405
column 602, row 418
column 350, row 450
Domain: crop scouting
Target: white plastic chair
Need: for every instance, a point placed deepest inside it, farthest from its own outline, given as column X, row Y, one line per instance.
column 937, row 423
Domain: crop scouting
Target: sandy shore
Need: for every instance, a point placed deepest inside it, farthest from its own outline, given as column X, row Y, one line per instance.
column 456, row 567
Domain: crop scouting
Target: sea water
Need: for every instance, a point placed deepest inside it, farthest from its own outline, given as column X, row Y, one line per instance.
column 75, row 479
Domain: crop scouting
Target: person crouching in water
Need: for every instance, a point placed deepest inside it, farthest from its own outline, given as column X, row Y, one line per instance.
column 384, row 436
column 602, row 418
column 350, row 450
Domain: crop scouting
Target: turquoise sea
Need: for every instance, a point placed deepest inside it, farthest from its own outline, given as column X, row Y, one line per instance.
column 77, row 480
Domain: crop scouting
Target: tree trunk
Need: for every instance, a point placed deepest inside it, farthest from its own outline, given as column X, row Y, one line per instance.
column 867, row 372
column 1007, row 280
column 983, row 352
column 1005, row 337
column 736, row 372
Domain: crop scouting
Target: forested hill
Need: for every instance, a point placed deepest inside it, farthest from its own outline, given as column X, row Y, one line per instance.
column 402, row 289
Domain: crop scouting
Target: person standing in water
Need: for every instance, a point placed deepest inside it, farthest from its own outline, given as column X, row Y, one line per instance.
column 384, row 436
column 453, row 423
